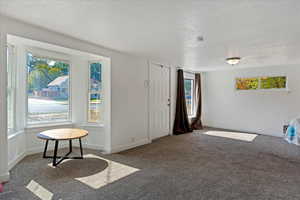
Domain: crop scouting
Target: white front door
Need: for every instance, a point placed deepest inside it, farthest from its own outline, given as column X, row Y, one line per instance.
column 159, row 101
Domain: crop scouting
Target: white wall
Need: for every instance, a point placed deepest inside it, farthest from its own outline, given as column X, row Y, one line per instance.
column 263, row 112
column 3, row 121
column 128, row 92
column 129, row 103
column 16, row 148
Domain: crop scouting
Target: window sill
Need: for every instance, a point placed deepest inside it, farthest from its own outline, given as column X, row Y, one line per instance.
column 46, row 125
column 93, row 125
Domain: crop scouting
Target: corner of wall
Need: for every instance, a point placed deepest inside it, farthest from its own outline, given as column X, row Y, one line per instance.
column 4, row 177
column 131, row 145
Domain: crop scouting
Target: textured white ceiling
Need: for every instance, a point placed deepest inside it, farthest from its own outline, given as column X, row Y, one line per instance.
column 262, row 32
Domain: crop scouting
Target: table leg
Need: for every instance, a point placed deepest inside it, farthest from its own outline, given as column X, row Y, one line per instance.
column 45, row 150
column 61, row 158
column 70, row 145
column 55, row 153
column 81, row 151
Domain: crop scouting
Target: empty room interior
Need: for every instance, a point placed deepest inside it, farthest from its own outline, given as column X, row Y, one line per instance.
column 149, row 100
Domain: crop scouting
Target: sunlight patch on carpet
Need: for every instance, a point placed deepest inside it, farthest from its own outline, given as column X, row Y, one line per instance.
column 232, row 135
column 39, row 190
column 114, row 171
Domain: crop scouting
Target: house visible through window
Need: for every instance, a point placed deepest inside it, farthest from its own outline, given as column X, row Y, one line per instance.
column 95, row 95
column 47, row 90
column 189, row 95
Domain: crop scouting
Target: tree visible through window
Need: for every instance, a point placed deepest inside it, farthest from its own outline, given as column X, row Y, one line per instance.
column 47, row 89
column 188, row 89
column 95, row 93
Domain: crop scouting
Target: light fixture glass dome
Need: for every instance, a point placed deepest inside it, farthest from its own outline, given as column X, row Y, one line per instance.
column 233, row 60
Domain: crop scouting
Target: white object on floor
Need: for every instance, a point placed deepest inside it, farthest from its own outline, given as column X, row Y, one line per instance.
column 292, row 133
column 114, row 172
column 39, row 190
column 232, row 135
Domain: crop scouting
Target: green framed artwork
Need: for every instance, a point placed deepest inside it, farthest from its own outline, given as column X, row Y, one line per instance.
column 275, row 82
column 247, row 83
column 261, row 83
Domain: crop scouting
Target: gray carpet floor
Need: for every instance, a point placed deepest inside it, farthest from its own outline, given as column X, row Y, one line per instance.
column 185, row 167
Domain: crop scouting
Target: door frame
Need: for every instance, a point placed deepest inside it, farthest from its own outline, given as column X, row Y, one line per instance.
column 148, row 83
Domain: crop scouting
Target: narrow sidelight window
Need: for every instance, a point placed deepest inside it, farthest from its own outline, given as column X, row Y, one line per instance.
column 95, row 95
column 189, row 95
column 11, row 88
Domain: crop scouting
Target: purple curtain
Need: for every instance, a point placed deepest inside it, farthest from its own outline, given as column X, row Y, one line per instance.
column 181, row 123
column 196, row 122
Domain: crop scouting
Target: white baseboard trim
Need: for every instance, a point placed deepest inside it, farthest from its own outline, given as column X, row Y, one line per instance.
column 93, row 147
column 12, row 163
column 120, row 148
column 4, row 177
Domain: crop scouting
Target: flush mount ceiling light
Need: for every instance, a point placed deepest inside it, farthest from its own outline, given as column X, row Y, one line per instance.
column 233, row 60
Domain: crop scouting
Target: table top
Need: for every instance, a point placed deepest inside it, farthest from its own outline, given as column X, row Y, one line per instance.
column 62, row 134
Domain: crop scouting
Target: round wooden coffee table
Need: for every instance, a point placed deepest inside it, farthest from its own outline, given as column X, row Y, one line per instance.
column 60, row 135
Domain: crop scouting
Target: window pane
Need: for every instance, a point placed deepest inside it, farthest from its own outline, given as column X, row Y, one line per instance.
column 247, row 83
column 188, row 89
column 273, row 82
column 94, row 107
column 10, row 110
column 10, row 89
column 48, row 90
column 95, row 77
column 95, row 93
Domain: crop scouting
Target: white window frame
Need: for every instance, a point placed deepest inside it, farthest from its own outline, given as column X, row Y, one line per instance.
column 101, row 92
column 62, row 58
column 11, row 50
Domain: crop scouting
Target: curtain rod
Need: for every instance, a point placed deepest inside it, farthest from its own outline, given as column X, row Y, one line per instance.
column 187, row 71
